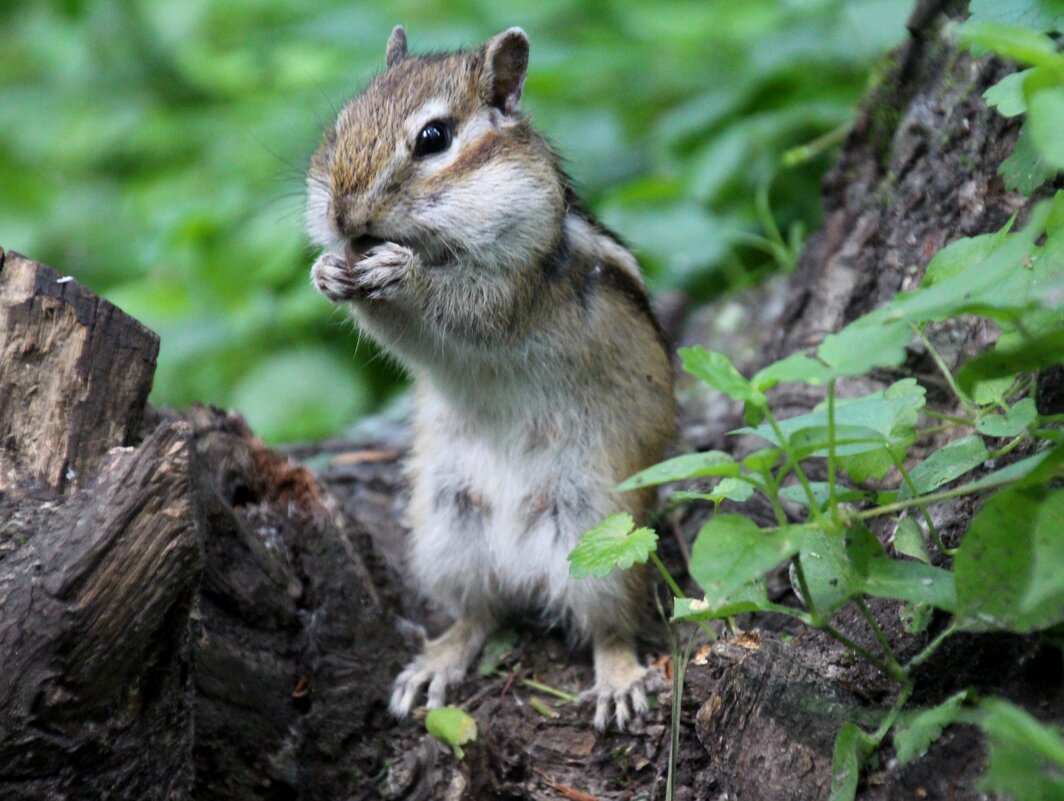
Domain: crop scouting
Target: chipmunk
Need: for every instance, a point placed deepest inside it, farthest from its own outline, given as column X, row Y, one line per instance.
column 541, row 376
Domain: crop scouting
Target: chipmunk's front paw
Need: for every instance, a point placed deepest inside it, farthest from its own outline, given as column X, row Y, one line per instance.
column 381, row 270
column 621, row 687
column 375, row 273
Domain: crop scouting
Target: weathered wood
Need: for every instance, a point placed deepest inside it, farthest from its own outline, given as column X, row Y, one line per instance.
column 95, row 594
column 75, row 373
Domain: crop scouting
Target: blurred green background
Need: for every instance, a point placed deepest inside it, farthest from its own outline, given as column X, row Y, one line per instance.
column 155, row 150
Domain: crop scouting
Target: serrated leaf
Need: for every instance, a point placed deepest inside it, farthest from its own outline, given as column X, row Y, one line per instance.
column 613, row 544
column 1026, row 756
column 852, row 749
column 1007, row 94
column 1019, row 417
column 915, row 735
column 949, row 462
column 452, row 727
column 716, row 370
column 1010, row 567
column 681, row 468
column 731, row 551
column 909, row 540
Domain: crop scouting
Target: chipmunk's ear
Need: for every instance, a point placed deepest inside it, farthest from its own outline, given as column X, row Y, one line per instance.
column 503, row 73
column 396, row 51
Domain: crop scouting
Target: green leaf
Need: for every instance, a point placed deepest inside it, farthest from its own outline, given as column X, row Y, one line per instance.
column 865, row 344
column 716, row 370
column 1045, row 116
column 1033, row 354
column 1019, row 417
column 611, row 545
column 852, row 749
column 886, row 418
column 1010, row 568
column 751, row 597
column 731, row 551
column 452, row 727
column 1007, row 94
column 835, row 566
column 732, row 489
column 681, row 468
column 946, row 464
column 909, row 540
column 958, row 256
column 911, row 581
column 795, row 493
column 762, row 460
column 1039, row 15
column 1026, row 756
column 1011, row 41
column 1025, row 170
column 991, row 390
column 916, row 617
column 913, row 737
column 796, row 367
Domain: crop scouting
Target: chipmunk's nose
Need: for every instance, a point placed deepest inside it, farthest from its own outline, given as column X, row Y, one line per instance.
column 350, row 216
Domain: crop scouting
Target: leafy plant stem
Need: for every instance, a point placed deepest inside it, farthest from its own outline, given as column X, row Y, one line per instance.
column 814, row 507
column 831, row 448
column 934, row 497
column 949, row 418
column 679, row 662
column 807, row 597
column 861, row 651
column 946, row 373
column 666, row 575
column 887, row 723
column 1008, row 446
column 881, row 638
column 907, row 479
column 932, row 646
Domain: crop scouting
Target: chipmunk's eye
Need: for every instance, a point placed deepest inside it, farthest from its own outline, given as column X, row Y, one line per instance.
column 434, row 138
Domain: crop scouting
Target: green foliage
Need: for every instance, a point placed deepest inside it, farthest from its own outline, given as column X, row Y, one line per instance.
column 915, row 734
column 852, row 749
column 1008, row 573
column 1018, row 31
column 615, row 543
column 156, row 150
column 731, row 551
column 1009, row 570
column 452, row 727
column 1026, row 757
